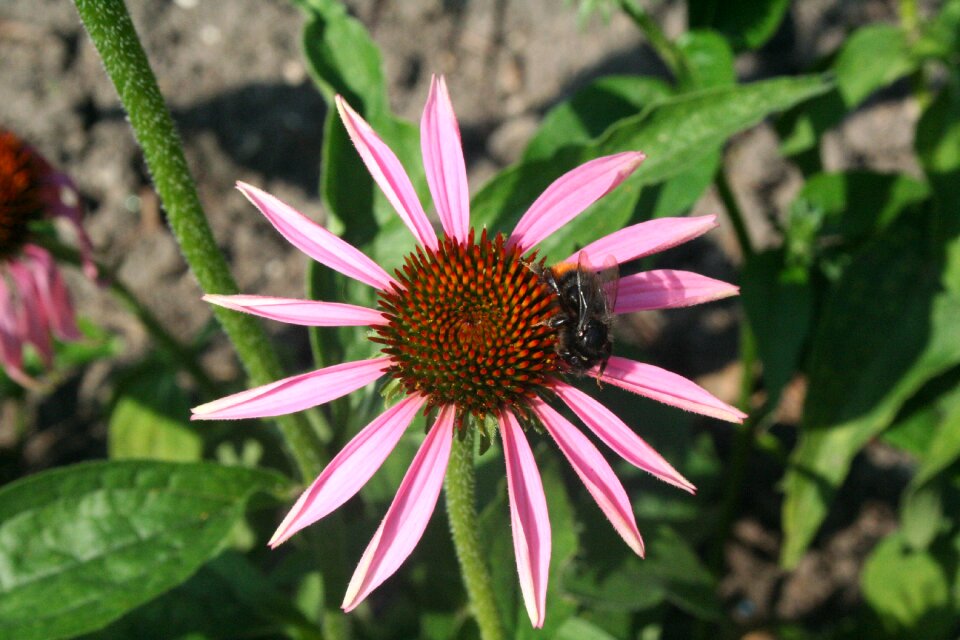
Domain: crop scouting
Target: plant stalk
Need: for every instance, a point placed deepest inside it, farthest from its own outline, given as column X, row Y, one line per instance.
column 110, row 28
column 462, row 511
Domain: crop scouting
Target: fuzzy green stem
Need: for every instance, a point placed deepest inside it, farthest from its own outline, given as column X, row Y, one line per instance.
column 462, row 512
column 110, row 28
column 181, row 354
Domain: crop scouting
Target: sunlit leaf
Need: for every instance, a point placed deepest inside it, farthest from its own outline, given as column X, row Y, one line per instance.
column 80, row 546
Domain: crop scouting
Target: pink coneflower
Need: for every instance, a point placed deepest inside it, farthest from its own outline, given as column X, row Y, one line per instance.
column 468, row 327
column 34, row 302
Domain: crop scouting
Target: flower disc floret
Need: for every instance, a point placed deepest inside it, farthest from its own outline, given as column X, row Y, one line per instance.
column 467, row 325
column 20, row 193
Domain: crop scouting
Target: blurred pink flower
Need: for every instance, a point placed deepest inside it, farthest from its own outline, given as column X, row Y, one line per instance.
column 34, row 302
column 465, row 329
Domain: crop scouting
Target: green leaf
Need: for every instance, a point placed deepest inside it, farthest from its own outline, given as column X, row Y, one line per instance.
column 707, row 61
column 879, row 340
column 149, row 420
column 857, row 204
column 675, row 134
column 873, row 57
column 938, row 147
column 580, row 629
column 592, row 110
column 227, row 598
column 908, row 590
column 671, row 572
column 746, row 23
column 780, row 311
column 922, row 503
column 83, row 545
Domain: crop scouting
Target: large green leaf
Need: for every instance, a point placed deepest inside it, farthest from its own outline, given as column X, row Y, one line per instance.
column 675, row 134
column 82, row 545
column 227, row 598
column 707, row 61
column 592, row 110
column 887, row 328
column 779, row 309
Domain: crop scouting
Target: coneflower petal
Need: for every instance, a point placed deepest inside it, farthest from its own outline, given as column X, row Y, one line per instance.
column 389, row 174
column 570, row 194
column 528, row 517
column 669, row 388
column 644, row 239
column 619, row 437
column 407, row 518
column 668, row 289
column 295, row 393
column 595, row 473
column 315, row 241
column 443, row 160
column 310, row 313
column 350, row 469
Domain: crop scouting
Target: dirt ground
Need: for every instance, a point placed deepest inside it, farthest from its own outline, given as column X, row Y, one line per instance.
column 247, row 111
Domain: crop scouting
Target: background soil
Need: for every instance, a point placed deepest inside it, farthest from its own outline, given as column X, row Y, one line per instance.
column 233, row 74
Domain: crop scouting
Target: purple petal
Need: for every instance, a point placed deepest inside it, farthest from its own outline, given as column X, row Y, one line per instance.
column 34, row 320
column 387, row 171
column 350, row 469
column 52, row 292
column 595, row 473
column 310, row 313
column 11, row 343
column 315, row 241
column 619, row 437
column 528, row 517
column 407, row 518
column 645, row 238
column 668, row 289
column 443, row 161
column 571, row 193
column 295, row 393
column 668, row 388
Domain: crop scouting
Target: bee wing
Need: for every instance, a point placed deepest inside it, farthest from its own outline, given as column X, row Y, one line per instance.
column 609, row 276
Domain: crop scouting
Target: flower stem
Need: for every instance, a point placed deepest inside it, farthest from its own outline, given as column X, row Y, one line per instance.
column 110, row 28
column 462, row 511
column 667, row 51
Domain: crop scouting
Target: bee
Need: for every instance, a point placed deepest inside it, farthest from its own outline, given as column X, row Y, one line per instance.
column 585, row 302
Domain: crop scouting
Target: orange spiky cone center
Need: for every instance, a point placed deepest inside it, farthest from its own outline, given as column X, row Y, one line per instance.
column 468, row 326
column 21, row 195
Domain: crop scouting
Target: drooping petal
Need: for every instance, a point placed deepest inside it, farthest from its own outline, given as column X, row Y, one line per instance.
column 595, row 473
column 315, row 241
column 407, row 518
column 295, row 393
column 443, row 160
column 669, row 388
column 387, row 172
column 570, row 194
column 63, row 200
column 11, row 344
column 350, row 469
column 619, row 437
column 645, row 238
column 33, row 320
column 52, row 292
column 528, row 517
column 668, row 289
column 310, row 313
